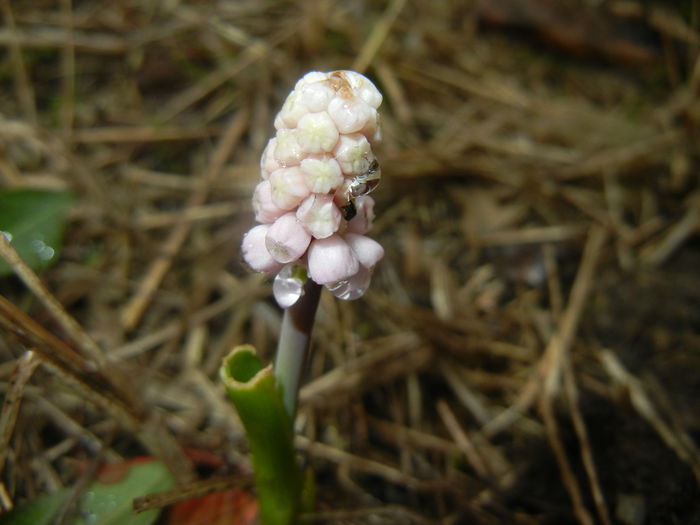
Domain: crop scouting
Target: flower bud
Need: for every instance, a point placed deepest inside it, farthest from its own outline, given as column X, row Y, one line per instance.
column 323, row 174
column 288, row 187
column 287, row 239
column 331, row 260
column 317, row 133
column 255, row 253
column 319, row 215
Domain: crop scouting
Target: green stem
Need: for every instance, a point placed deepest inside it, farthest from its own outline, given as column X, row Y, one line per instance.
column 293, row 345
column 268, row 427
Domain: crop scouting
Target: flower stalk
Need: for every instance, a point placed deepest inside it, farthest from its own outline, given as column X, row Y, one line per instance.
column 293, row 344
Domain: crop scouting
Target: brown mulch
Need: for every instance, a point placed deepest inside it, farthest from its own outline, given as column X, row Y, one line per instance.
column 528, row 351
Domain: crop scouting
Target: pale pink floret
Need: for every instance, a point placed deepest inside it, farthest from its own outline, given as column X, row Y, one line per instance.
column 288, row 151
column 316, row 133
column 364, row 89
column 331, row 260
column 316, row 96
column 368, row 251
column 287, row 239
column 319, row 215
column 279, row 123
column 266, row 211
column 350, row 114
column 288, row 187
column 353, row 153
column 372, row 130
column 293, row 109
column 323, row 174
column 361, row 223
column 310, row 78
column 255, row 252
column 268, row 162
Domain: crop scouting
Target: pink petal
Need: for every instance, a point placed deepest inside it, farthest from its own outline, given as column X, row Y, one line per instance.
column 368, row 251
column 255, row 252
column 331, row 260
column 287, row 239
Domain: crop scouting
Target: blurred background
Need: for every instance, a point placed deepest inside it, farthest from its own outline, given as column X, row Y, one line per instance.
column 529, row 348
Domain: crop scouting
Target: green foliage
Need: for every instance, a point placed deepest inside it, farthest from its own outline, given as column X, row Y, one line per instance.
column 33, row 220
column 101, row 503
column 254, row 392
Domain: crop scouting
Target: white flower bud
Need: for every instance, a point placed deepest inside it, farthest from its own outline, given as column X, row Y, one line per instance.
column 255, row 253
column 353, row 153
column 310, row 78
column 316, row 96
column 331, row 260
column 288, row 151
column 364, row 89
column 350, row 114
column 323, row 174
column 288, row 187
column 316, row 133
column 368, row 251
column 266, row 211
column 268, row 162
column 319, row 215
column 287, row 239
column 293, row 109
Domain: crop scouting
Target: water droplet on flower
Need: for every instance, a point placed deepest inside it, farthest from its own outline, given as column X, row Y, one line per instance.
column 364, row 183
column 288, row 285
column 8, row 236
column 352, row 288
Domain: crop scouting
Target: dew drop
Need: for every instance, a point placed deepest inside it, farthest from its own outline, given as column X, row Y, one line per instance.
column 8, row 236
column 352, row 288
column 288, row 285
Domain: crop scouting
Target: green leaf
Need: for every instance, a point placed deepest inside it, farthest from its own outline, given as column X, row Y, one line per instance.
column 102, row 503
column 254, row 392
column 33, row 220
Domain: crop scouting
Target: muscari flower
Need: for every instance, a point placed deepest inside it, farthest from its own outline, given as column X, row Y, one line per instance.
column 312, row 201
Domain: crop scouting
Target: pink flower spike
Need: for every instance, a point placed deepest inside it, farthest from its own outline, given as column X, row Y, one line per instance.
column 288, row 187
column 255, row 252
column 368, row 251
column 287, row 239
column 361, row 223
column 331, row 260
column 265, row 210
column 319, row 215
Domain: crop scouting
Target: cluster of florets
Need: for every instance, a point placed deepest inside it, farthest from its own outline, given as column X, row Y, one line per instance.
column 312, row 202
